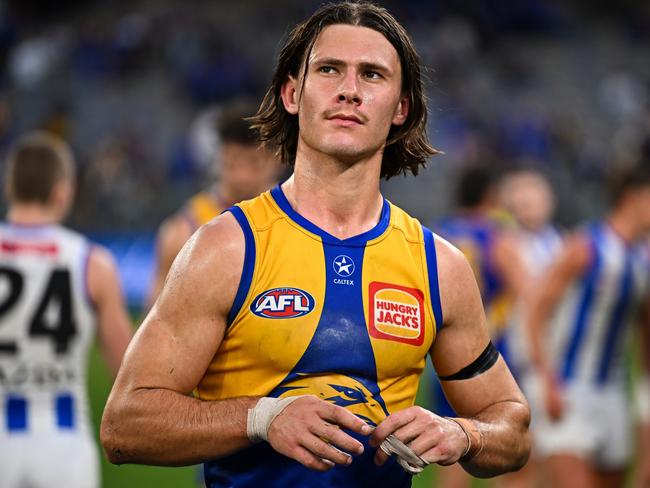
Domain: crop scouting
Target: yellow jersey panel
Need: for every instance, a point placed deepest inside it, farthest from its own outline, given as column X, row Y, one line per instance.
column 202, row 208
column 397, row 304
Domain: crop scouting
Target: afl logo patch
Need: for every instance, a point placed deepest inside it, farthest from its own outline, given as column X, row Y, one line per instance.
column 396, row 313
column 282, row 303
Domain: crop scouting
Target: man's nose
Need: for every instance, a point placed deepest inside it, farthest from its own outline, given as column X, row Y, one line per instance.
column 349, row 89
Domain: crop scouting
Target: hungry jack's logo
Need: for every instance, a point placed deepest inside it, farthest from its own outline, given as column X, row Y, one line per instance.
column 396, row 313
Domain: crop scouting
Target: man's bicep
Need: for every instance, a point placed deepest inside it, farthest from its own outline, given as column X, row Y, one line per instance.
column 158, row 357
column 477, row 375
column 184, row 329
column 471, row 396
column 463, row 335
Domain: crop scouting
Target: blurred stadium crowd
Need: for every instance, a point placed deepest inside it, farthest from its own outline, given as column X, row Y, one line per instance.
column 563, row 86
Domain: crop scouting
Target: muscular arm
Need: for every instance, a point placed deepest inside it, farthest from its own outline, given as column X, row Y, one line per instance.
column 115, row 329
column 173, row 234
column 491, row 399
column 150, row 417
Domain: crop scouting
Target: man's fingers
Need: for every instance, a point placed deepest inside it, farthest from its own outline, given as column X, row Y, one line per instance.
column 335, row 436
column 390, row 424
column 380, row 457
column 307, row 459
column 409, row 432
column 343, row 418
column 326, row 452
column 431, row 450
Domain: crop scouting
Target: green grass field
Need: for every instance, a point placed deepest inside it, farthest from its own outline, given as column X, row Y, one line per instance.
column 154, row 477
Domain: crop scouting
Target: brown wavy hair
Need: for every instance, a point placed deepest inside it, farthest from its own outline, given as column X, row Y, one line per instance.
column 407, row 147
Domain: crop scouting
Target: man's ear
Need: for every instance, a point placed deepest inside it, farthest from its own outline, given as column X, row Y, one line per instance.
column 290, row 96
column 402, row 111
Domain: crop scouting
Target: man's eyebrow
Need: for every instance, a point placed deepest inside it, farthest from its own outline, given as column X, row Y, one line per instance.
column 328, row 61
column 365, row 65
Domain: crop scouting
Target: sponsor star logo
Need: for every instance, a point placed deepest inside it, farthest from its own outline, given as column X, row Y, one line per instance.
column 343, row 265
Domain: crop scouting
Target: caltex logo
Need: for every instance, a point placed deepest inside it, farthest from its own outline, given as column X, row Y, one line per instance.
column 343, row 265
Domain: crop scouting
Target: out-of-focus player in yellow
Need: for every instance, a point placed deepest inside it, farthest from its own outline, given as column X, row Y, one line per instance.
column 57, row 291
column 302, row 319
column 244, row 171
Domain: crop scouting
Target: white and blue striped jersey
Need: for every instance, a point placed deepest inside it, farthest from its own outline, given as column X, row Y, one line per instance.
column 590, row 328
column 47, row 325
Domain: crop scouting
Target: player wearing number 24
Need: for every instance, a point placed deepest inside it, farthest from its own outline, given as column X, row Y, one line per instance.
column 315, row 305
column 54, row 287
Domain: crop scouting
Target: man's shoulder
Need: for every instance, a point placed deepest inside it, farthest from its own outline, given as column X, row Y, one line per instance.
column 410, row 226
column 260, row 211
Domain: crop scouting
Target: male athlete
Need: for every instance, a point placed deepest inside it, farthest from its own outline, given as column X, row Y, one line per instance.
column 55, row 288
column 580, row 320
column 301, row 320
column 244, row 171
column 527, row 195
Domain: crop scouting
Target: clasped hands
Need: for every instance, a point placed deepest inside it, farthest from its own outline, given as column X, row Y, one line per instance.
column 310, row 431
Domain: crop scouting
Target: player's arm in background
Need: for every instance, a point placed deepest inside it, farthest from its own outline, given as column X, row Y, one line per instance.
column 491, row 398
column 151, row 416
column 571, row 263
column 643, row 401
column 510, row 266
column 172, row 235
column 114, row 326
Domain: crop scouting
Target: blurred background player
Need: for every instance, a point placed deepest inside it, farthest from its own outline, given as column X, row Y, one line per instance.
column 580, row 320
column 55, row 287
column 244, row 170
column 482, row 233
column 528, row 197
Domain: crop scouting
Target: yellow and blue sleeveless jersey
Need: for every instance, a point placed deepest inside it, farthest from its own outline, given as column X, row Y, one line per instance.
column 202, row 208
column 350, row 321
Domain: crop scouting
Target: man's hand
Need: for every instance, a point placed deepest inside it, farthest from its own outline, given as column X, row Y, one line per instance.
column 309, row 431
column 553, row 398
column 435, row 439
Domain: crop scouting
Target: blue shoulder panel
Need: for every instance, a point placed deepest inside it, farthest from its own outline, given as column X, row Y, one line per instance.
column 249, row 263
column 432, row 270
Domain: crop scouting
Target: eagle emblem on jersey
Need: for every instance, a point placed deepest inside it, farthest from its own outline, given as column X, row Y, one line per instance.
column 282, row 303
column 341, row 390
column 396, row 313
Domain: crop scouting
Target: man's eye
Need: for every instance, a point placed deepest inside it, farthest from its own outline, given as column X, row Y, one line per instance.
column 327, row 69
column 373, row 75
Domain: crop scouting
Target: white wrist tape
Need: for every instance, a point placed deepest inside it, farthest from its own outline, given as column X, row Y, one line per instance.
column 263, row 413
column 643, row 399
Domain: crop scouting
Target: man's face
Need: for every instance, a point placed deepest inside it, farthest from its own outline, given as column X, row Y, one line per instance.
column 641, row 199
column 351, row 94
column 531, row 201
column 247, row 170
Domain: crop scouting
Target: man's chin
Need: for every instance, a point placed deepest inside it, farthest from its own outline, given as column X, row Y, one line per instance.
column 350, row 154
